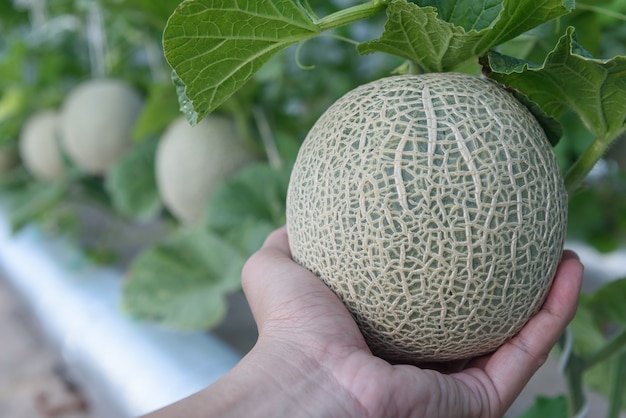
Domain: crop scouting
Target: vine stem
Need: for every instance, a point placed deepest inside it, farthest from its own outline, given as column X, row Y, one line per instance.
column 600, row 10
column 581, row 168
column 351, row 14
column 235, row 109
column 571, row 367
column 574, row 377
column 614, row 346
column 576, row 365
column 96, row 40
column 269, row 142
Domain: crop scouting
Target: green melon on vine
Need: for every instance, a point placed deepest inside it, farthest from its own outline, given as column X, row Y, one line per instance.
column 191, row 161
column 96, row 122
column 39, row 146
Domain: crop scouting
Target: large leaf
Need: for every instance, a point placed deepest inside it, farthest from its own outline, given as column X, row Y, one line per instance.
column 446, row 38
column 159, row 110
column 215, row 46
column 34, row 202
column 246, row 208
column 607, row 303
column 12, row 63
column 131, row 182
column 14, row 95
column 570, row 78
column 182, row 281
column 600, row 379
column 257, row 192
column 469, row 14
column 597, row 215
column 589, row 335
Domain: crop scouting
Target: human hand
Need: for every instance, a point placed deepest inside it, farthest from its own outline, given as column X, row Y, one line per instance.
column 306, row 334
column 311, row 360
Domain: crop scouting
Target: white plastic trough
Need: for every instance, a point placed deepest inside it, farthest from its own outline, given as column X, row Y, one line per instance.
column 124, row 368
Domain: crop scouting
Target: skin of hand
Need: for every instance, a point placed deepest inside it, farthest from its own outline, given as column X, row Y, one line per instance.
column 310, row 359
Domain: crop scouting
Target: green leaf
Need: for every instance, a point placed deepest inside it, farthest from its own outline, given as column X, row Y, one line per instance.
column 185, row 104
column 607, row 303
column 551, row 126
column 257, row 192
column 469, row 14
column 576, row 139
column 131, row 182
column 423, row 34
column 589, row 338
column 571, row 79
column 12, row 62
column 597, row 214
column 160, row 108
column 246, row 208
column 545, row 407
column 587, row 335
column 13, row 112
column 155, row 13
column 215, row 46
column 15, row 180
column 182, row 281
column 599, row 378
column 32, row 203
column 250, row 235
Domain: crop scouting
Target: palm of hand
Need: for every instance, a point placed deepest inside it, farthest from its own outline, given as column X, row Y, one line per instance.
column 297, row 314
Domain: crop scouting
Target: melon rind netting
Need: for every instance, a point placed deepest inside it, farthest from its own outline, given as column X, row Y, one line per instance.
column 434, row 207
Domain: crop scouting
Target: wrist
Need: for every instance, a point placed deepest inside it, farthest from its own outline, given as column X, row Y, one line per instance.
column 280, row 380
column 271, row 380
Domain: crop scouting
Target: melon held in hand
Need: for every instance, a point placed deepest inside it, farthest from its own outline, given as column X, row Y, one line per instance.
column 434, row 207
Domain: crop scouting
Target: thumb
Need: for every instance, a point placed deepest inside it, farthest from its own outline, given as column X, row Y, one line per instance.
column 274, row 284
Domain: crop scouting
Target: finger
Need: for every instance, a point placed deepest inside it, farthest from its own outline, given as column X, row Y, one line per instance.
column 261, row 266
column 274, row 252
column 511, row 367
column 278, row 240
column 273, row 282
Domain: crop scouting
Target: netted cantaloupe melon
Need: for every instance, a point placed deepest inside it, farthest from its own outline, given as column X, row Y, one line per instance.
column 39, row 146
column 97, row 119
column 191, row 161
column 433, row 206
